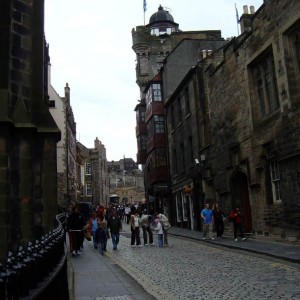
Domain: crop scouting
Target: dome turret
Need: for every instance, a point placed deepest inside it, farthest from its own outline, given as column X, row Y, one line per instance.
column 161, row 16
column 162, row 22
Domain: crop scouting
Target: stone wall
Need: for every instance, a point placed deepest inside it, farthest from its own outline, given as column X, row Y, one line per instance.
column 245, row 139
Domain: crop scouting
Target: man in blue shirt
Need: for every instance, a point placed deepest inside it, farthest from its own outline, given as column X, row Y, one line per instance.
column 208, row 221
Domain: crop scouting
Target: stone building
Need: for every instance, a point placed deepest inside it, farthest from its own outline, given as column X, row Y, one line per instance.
column 162, row 49
column 92, row 180
column 232, row 122
column 61, row 110
column 28, row 133
column 251, row 94
column 126, row 181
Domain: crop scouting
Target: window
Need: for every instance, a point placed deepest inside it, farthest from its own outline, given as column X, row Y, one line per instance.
column 153, row 93
column 51, row 103
column 156, row 92
column 155, row 125
column 291, row 40
column 160, row 158
column 149, row 129
column 265, row 84
column 142, row 142
column 88, row 168
column 88, row 189
column 187, row 101
column 159, row 124
column 140, row 115
column 275, row 180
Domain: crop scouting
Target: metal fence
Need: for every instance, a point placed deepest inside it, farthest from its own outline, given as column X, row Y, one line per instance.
column 39, row 270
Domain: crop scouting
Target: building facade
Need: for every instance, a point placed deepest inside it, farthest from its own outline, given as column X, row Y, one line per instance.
column 252, row 97
column 164, row 56
column 126, row 181
column 92, row 180
column 61, row 110
column 232, row 121
column 28, row 133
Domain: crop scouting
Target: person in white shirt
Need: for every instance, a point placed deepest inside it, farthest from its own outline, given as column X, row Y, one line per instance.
column 135, row 229
column 127, row 212
column 145, row 221
column 165, row 226
column 160, row 233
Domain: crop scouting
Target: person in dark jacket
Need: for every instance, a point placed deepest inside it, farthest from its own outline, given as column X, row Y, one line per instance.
column 75, row 224
column 101, row 236
column 218, row 220
column 114, row 224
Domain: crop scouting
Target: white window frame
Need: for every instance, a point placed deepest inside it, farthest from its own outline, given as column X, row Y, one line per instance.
column 88, row 189
column 88, row 168
column 275, row 181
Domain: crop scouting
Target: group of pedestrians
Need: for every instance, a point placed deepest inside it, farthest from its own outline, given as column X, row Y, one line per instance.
column 213, row 220
column 106, row 223
column 160, row 225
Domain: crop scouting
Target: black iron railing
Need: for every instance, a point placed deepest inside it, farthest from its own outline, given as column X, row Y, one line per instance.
column 32, row 270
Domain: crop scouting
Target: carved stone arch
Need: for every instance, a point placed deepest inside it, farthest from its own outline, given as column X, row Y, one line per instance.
column 239, row 190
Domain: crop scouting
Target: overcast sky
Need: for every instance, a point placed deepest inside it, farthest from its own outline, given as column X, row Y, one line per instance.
column 90, row 49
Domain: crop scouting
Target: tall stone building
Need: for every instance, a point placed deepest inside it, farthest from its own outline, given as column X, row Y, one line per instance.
column 239, row 145
column 126, row 181
column 61, row 110
column 28, row 133
column 92, row 178
column 251, row 94
column 162, row 44
column 232, row 120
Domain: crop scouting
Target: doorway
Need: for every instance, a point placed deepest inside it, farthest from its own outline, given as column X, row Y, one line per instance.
column 240, row 197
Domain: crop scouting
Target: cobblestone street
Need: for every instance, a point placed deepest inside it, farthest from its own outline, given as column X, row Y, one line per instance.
column 195, row 270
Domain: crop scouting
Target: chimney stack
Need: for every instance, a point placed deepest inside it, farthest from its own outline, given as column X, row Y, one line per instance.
column 246, row 18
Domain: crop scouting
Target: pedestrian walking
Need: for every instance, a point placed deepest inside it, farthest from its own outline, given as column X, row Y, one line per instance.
column 219, row 218
column 101, row 236
column 208, row 220
column 127, row 213
column 135, row 229
column 75, row 224
column 235, row 217
column 114, row 224
column 93, row 226
column 165, row 226
column 160, row 233
column 145, row 222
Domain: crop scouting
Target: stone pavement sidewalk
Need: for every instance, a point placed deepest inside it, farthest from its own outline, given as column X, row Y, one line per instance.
column 289, row 252
column 96, row 277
